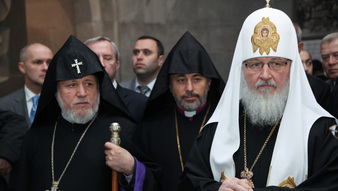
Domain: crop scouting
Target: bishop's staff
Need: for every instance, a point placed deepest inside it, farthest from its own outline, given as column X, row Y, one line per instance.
column 115, row 129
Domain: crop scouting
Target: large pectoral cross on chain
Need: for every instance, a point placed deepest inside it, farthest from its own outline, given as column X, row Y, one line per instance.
column 247, row 174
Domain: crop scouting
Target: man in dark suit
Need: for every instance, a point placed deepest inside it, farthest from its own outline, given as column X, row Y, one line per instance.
column 332, row 105
column 329, row 52
column 34, row 61
column 320, row 89
column 108, row 54
column 148, row 57
column 12, row 129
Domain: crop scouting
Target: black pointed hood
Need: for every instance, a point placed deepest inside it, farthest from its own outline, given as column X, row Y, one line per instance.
column 187, row 56
column 74, row 60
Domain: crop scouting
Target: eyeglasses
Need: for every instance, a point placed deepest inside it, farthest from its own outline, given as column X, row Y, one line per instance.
column 334, row 131
column 275, row 65
column 326, row 57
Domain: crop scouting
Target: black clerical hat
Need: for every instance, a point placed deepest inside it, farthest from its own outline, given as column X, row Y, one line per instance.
column 74, row 60
column 187, row 56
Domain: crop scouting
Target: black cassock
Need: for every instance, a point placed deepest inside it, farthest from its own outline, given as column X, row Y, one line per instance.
column 158, row 124
column 322, row 158
column 160, row 139
column 87, row 170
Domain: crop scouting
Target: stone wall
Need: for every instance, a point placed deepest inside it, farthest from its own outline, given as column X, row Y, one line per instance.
column 215, row 23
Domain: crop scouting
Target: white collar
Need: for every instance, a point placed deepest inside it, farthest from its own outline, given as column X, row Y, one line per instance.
column 115, row 84
column 189, row 113
column 150, row 85
column 28, row 93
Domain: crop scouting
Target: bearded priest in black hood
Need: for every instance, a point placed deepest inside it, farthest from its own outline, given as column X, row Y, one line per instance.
column 68, row 145
column 185, row 94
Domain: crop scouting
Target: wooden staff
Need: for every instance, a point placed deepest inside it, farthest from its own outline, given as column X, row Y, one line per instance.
column 115, row 129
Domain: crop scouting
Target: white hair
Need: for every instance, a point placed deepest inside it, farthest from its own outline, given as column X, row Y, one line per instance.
column 71, row 116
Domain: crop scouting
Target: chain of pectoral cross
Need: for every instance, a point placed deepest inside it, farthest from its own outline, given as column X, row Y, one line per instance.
column 54, row 187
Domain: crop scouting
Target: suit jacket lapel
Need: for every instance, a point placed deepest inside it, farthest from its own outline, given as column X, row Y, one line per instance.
column 20, row 105
column 122, row 94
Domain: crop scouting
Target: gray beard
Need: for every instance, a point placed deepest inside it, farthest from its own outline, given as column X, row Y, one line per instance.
column 264, row 110
column 189, row 107
column 72, row 117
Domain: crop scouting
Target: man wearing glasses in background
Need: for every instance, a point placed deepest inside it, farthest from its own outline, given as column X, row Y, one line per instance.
column 329, row 51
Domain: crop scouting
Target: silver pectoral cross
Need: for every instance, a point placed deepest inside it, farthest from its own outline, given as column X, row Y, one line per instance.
column 77, row 65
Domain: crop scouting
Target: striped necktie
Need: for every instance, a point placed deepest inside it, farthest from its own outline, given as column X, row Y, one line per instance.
column 143, row 89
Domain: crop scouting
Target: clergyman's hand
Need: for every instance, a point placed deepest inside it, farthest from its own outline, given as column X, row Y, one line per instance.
column 5, row 167
column 119, row 159
column 232, row 183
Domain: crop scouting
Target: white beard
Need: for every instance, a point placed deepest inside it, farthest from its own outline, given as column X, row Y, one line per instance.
column 264, row 109
column 72, row 117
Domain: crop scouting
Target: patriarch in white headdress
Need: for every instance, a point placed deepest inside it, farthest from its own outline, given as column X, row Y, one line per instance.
column 267, row 33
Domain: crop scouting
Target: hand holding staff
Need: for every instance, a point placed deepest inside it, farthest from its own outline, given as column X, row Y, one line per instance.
column 115, row 129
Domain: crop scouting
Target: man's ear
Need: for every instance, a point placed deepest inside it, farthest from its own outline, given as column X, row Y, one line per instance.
column 300, row 46
column 160, row 60
column 117, row 65
column 21, row 67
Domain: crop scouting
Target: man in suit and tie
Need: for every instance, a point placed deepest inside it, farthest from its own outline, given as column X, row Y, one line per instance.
column 108, row 54
column 329, row 52
column 148, row 57
column 33, row 64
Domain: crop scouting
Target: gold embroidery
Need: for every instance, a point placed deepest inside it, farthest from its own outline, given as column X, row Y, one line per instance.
column 265, row 37
column 288, row 183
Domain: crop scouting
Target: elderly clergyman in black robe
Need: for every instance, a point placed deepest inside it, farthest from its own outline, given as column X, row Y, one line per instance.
column 68, row 145
column 267, row 132
column 185, row 95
